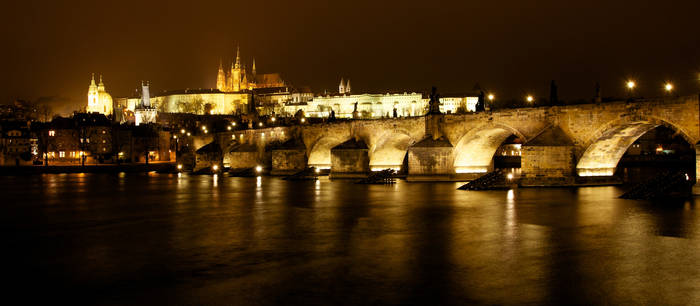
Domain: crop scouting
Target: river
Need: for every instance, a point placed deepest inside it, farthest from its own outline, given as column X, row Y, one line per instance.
column 151, row 238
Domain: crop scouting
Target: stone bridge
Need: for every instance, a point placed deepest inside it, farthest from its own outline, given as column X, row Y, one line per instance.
column 558, row 141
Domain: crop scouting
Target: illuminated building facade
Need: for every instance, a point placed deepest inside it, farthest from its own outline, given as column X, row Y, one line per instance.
column 99, row 101
column 369, row 106
column 145, row 113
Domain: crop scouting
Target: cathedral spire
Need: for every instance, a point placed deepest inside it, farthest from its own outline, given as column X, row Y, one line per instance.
column 238, row 57
column 347, row 87
column 92, row 83
column 341, row 87
column 254, row 72
column 221, row 77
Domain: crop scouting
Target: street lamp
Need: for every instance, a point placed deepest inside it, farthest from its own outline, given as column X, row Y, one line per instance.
column 529, row 98
column 631, row 85
column 668, row 87
column 491, row 97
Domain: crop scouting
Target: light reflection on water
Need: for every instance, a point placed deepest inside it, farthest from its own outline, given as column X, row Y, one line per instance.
column 138, row 238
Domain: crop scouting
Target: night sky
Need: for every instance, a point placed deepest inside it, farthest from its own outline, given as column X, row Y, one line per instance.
column 511, row 47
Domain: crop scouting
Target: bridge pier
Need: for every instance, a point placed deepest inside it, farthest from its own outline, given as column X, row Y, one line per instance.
column 430, row 160
column 288, row 161
column 548, row 160
column 350, row 160
column 696, row 187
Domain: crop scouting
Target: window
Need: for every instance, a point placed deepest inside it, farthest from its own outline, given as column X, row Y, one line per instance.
column 52, row 133
column 61, row 154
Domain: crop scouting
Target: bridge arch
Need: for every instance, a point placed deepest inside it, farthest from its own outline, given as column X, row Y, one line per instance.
column 474, row 151
column 320, row 153
column 608, row 144
column 389, row 150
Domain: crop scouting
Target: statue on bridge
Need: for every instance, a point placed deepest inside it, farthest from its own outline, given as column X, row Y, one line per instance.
column 434, row 103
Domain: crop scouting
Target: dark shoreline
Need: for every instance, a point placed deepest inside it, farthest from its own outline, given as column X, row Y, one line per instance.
column 31, row 170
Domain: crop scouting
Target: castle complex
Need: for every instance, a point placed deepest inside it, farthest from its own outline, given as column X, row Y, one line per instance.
column 238, row 86
column 237, row 79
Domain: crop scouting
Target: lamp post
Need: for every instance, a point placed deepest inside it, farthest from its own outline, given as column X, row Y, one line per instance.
column 631, row 85
column 668, row 87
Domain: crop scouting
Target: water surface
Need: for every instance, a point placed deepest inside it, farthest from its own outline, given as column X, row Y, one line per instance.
column 164, row 239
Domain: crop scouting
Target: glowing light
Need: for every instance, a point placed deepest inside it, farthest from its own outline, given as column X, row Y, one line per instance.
column 303, row 120
column 215, row 167
column 260, row 124
column 471, row 170
column 233, row 124
column 228, row 128
column 668, row 87
column 174, row 136
column 631, row 84
column 510, row 176
column 529, row 98
column 188, row 134
column 491, row 97
column 182, row 131
column 317, row 170
column 595, row 171
column 206, row 132
column 179, row 167
column 258, row 169
column 204, row 127
column 211, row 112
column 511, row 194
column 273, row 119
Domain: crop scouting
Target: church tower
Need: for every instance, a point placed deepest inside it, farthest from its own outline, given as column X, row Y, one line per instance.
column 221, row 78
column 92, row 94
column 341, row 87
column 244, row 78
column 347, row 87
column 236, row 72
column 229, row 82
column 99, row 101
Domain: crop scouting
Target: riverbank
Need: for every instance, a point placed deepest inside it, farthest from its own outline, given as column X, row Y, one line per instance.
column 107, row 168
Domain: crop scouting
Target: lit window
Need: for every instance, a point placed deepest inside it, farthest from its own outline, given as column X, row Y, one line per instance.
column 61, row 154
column 87, row 140
column 52, row 133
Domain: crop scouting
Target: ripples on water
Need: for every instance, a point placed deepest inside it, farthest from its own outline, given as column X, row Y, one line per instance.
column 156, row 239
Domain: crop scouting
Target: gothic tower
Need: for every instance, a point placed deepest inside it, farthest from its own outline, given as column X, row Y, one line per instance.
column 221, row 78
column 341, row 87
column 236, row 72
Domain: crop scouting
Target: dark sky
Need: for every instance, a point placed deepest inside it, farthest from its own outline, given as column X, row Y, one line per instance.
column 511, row 47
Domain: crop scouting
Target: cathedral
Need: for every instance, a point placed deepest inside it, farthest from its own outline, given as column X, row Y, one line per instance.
column 238, row 79
column 99, row 101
